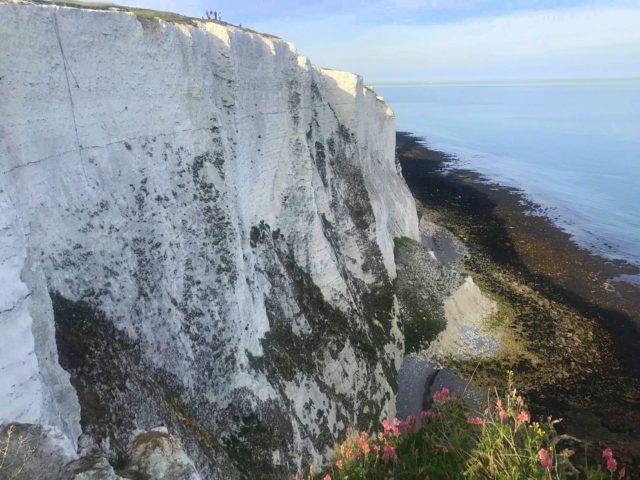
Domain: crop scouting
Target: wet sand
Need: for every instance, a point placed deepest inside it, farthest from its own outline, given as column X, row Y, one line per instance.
column 573, row 335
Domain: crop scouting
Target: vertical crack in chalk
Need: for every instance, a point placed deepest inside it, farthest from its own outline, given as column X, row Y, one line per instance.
column 67, row 70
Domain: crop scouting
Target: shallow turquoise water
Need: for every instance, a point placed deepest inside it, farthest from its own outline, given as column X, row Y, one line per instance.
column 572, row 148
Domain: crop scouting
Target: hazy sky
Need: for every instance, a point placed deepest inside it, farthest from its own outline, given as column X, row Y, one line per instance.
column 411, row 40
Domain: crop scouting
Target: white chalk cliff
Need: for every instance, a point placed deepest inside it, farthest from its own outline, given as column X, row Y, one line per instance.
column 197, row 231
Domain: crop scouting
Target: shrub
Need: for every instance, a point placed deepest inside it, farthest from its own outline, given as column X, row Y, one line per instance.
column 448, row 442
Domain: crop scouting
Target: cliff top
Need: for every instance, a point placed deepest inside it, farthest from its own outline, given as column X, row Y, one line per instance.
column 142, row 13
column 176, row 18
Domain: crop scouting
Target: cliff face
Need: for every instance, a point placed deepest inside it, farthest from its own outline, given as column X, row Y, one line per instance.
column 197, row 231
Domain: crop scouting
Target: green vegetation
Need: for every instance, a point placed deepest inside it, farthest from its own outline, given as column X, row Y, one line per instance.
column 141, row 13
column 421, row 287
column 448, row 442
column 78, row 4
column 504, row 312
column 15, row 453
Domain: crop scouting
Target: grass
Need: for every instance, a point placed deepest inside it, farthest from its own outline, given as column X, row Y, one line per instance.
column 143, row 13
column 15, row 453
column 449, row 442
column 139, row 12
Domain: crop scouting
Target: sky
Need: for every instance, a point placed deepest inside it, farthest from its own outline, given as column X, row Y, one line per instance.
column 445, row 40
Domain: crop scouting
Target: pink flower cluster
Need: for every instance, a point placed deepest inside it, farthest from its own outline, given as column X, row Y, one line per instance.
column 545, row 458
column 612, row 463
column 390, row 429
column 442, row 395
column 501, row 411
column 428, row 415
column 364, row 443
column 407, row 425
column 398, row 427
column 389, row 453
column 475, row 420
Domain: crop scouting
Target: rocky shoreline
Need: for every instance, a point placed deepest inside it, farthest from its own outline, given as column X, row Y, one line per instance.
column 568, row 332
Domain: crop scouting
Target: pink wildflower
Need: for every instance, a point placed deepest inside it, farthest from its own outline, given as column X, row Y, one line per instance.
column 339, row 464
column 445, row 449
column 327, row 477
column 411, row 422
column 475, row 420
column 388, row 429
column 523, row 416
column 389, row 453
column 348, row 454
column 376, row 448
column 545, row 458
column 612, row 463
column 393, row 430
column 442, row 395
column 622, row 472
column 423, row 417
column 501, row 412
column 403, row 426
column 428, row 415
column 364, row 443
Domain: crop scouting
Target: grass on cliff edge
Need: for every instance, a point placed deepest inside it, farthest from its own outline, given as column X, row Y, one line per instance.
column 143, row 13
column 139, row 12
column 449, row 442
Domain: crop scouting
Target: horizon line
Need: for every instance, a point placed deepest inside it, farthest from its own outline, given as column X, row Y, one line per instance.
column 502, row 81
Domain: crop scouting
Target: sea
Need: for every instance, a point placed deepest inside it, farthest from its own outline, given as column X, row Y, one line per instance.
column 571, row 147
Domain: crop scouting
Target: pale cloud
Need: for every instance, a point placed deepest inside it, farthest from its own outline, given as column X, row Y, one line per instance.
column 573, row 42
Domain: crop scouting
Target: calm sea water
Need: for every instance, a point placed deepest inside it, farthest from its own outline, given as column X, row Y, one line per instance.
column 572, row 148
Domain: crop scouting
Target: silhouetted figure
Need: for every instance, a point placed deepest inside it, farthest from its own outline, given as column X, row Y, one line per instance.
column 213, row 15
